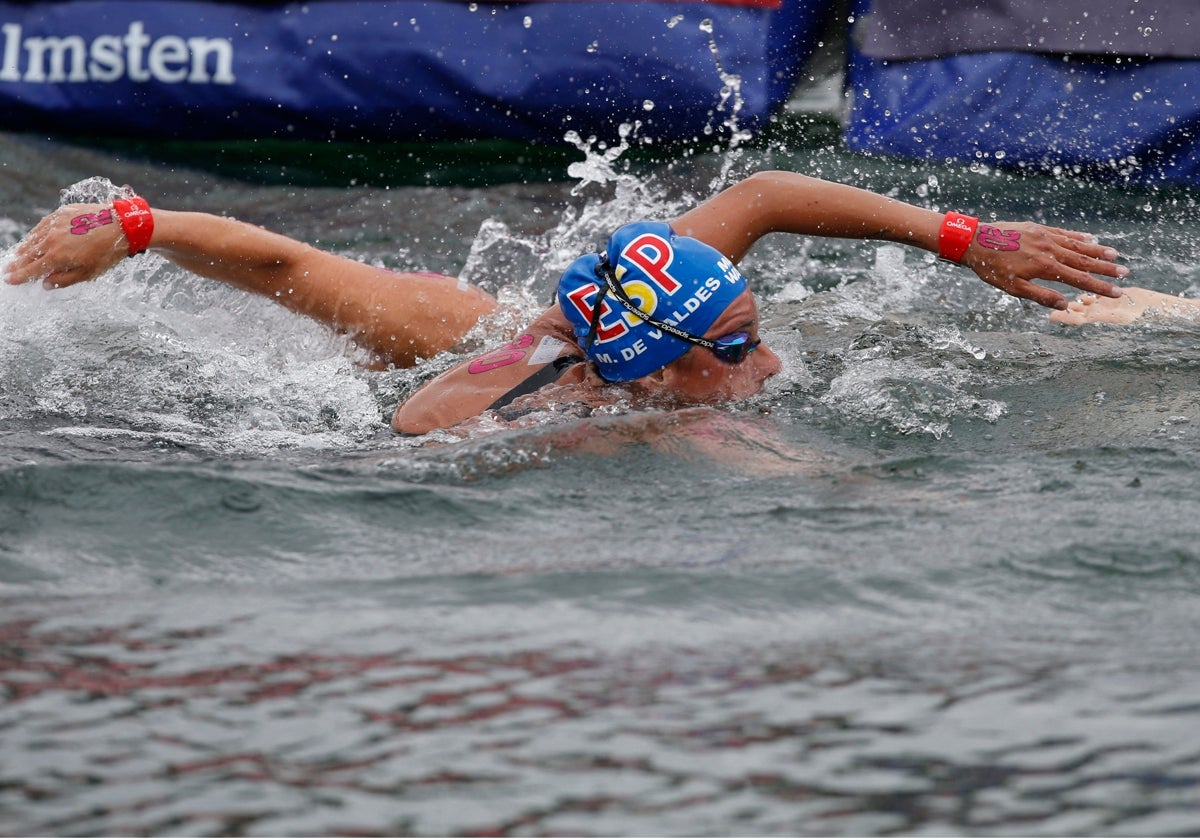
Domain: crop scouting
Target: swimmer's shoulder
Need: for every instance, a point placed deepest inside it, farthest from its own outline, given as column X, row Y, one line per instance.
column 544, row 353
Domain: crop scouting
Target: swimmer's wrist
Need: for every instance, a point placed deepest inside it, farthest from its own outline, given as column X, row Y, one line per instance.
column 955, row 235
column 137, row 222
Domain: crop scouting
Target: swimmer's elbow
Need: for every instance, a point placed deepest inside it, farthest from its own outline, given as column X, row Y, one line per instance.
column 409, row 421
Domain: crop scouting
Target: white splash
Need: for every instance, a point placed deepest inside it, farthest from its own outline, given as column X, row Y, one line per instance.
column 150, row 349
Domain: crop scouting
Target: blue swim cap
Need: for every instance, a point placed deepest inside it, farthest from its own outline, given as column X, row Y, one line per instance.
column 671, row 278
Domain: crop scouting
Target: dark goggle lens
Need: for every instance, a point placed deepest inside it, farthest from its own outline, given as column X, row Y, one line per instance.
column 734, row 347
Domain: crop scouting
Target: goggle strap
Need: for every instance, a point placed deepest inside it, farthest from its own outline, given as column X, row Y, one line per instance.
column 605, row 271
column 597, row 308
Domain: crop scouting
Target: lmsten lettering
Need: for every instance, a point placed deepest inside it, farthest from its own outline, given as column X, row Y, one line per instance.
column 133, row 55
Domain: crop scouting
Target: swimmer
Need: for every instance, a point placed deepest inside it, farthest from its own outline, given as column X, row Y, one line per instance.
column 661, row 314
column 1133, row 304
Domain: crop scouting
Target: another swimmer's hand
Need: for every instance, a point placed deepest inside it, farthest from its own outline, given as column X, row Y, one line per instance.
column 1011, row 255
column 1134, row 304
column 74, row 243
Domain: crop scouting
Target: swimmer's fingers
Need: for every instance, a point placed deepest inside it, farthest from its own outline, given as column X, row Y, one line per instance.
column 1075, row 313
column 1019, row 287
column 1077, row 270
column 1012, row 256
column 1072, row 258
column 1135, row 304
column 31, row 261
column 1068, row 317
column 1083, row 253
column 27, row 260
column 69, row 246
column 1076, row 235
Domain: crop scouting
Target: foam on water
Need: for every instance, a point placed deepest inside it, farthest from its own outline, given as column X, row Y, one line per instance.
column 147, row 351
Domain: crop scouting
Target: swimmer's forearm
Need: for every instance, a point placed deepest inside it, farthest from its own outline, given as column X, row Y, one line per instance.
column 400, row 317
column 292, row 273
column 788, row 202
column 1012, row 256
column 794, row 203
column 230, row 251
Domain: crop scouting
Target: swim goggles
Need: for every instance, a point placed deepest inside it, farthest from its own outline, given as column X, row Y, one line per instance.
column 732, row 348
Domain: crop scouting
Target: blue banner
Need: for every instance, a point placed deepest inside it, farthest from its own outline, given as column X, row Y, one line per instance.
column 1127, row 118
column 395, row 70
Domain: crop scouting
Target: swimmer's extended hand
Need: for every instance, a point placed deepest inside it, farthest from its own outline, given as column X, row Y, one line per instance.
column 1008, row 255
column 1134, row 304
column 76, row 242
column 1011, row 255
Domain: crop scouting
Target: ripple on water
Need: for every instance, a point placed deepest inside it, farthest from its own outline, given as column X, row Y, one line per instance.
column 336, row 712
column 232, row 605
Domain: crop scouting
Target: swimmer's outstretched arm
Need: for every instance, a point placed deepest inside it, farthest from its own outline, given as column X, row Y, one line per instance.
column 787, row 202
column 400, row 317
column 1134, row 304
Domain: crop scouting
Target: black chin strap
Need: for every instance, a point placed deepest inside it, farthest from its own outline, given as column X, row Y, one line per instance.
column 597, row 305
column 605, row 272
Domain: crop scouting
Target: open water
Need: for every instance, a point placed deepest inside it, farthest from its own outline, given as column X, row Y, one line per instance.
column 942, row 577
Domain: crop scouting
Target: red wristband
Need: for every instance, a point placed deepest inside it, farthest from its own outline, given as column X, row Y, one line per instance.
column 137, row 221
column 955, row 235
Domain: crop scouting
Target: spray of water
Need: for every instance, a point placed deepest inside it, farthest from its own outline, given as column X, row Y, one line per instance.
column 148, row 352
column 94, row 190
column 730, row 105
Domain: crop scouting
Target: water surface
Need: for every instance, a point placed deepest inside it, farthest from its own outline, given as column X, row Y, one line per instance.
column 940, row 578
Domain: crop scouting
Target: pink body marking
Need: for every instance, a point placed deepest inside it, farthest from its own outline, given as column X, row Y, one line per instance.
column 998, row 240
column 514, row 351
column 90, row 221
